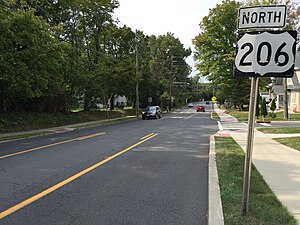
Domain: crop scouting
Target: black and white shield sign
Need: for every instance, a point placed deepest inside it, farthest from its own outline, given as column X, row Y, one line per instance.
column 267, row 54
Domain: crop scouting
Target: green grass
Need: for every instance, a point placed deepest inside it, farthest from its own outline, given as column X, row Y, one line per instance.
column 34, row 134
column 280, row 130
column 239, row 115
column 292, row 142
column 12, row 122
column 215, row 116
column 243, row 115
column 292, row 116
column 264, row 208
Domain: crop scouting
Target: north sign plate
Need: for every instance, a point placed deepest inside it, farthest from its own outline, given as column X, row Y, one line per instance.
column 267, row 16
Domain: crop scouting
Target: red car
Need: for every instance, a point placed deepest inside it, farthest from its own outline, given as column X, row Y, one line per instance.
column 200, row 108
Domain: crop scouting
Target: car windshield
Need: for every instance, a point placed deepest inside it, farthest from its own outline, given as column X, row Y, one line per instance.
column 151, row 109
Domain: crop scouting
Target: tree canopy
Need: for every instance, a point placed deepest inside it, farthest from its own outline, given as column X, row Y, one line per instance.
column 55, row 55
column 215, row 48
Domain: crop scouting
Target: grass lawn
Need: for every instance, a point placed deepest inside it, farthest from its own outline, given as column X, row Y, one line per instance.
column 292, row 142
column 280, row 130
column 240, row 115
column 25, row 135
column 292, row 116
column 264, row 207
column 243, row 115
column 215, row 116
column 11, row 122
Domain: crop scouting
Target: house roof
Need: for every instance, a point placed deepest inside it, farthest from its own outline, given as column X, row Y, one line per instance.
column 278, row 89
column 293, row 82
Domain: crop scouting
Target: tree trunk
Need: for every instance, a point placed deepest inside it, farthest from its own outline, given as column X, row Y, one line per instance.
column 111, row 101
column 87, row 102
column 3, row 101
column 241, row 107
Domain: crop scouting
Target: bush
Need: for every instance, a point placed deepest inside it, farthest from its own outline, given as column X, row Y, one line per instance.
column 263, row 109
column 272, row 108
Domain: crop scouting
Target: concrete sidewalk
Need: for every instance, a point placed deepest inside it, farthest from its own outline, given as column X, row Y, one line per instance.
column 279, row 165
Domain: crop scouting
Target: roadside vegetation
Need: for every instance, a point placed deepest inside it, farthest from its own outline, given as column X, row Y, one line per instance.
column 52, row 60
column 264, row 207
column 278, row 116
column 292, row 116
column 239, row 115
column 20, row 136
column 279, row 130
column 215, row 116
column 12, row 122
column 292, row 142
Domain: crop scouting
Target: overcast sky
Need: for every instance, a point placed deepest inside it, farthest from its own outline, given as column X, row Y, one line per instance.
column 158, row 17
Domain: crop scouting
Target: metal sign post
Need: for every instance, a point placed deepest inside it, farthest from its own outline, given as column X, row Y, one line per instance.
column 249, row 147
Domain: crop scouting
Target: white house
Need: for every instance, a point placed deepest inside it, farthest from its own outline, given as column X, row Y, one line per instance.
column 293, row 85
column 120, row 100
column 293, row 89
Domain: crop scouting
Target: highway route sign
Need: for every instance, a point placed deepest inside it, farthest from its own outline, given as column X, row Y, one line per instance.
column 266, row 54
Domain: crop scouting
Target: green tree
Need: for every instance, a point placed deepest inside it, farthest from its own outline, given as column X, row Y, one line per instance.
column 263, row 109
column 29, row 59
column 168, row 63
column 215, row 53
column 53, row 53
column 293, row 11
column 258, row 102
column 273, row 107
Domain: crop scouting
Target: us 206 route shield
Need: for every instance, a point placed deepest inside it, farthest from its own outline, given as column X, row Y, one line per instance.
column 266, row 54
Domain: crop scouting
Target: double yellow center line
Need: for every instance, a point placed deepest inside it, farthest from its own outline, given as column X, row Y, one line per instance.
column 51, row 145
column 72, row 178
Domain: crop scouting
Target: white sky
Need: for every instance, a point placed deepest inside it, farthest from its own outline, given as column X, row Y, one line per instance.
column 158, row 17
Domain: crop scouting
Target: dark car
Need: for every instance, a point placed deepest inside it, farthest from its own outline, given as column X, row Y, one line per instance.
column 200, row 108
column 151, row 112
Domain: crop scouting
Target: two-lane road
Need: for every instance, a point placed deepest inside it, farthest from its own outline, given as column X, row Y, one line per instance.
column 136, row 172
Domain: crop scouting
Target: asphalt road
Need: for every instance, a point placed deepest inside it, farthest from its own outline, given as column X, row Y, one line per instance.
column 136, row 172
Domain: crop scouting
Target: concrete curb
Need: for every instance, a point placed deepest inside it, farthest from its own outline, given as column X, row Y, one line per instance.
column 215, row 210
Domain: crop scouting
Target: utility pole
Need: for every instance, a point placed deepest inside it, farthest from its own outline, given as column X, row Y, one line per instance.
column 137, row 101
column 170, row 85
column 285, row 100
